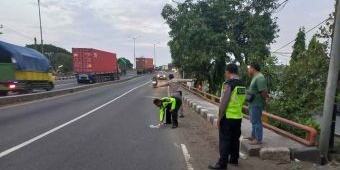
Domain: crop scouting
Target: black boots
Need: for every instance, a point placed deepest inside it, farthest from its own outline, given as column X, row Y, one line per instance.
column 218, row 166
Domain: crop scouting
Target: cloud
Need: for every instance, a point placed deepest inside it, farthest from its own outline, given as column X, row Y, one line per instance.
column 107, row 24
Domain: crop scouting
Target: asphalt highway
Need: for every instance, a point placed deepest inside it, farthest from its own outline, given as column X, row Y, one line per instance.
column 102, row 128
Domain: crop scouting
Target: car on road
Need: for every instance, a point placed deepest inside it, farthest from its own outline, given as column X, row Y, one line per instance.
column 161, row 75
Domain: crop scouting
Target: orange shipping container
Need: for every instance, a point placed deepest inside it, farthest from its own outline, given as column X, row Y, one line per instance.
column 144, row 63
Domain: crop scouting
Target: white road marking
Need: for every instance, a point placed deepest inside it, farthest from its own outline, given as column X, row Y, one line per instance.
column 8, row 151
column 186, row 157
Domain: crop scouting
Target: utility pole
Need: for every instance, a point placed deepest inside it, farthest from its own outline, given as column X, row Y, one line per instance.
column 134, row 52
column 41, row 36
column 154, row 54
column 334, row 66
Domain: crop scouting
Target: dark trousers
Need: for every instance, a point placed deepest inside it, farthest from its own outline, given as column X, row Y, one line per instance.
column 168, row 116
column 173, row 116
column 229, row 134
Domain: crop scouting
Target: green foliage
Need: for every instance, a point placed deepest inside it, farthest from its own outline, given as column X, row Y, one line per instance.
column 303, row 87
column 300, row 44
column 326, row 31
column 305, row 80
column 124, row 63
column 270, row 69
column 60, row 59
column 205, row 35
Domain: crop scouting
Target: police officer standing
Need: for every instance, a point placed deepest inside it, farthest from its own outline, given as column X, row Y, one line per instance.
column 230, row 118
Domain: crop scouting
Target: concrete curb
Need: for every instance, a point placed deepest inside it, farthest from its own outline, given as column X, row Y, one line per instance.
column 211, row 118
column 30, row 97
column 310, row 154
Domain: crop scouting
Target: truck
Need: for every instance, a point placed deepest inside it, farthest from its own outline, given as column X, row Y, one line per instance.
column 23, row 70
column 144, row 65
column 92, row 65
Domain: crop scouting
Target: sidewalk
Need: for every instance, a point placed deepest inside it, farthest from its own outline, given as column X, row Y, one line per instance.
column 274, row 147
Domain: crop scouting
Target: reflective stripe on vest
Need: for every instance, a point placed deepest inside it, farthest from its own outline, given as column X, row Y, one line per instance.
column 237, row 99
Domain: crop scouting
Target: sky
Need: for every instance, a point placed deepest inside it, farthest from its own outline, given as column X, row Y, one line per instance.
column 111, row 25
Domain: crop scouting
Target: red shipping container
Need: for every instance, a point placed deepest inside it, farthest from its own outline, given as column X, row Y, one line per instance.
column 140, row 63
column 149, row 63
column 144, row 63
column 88, row 60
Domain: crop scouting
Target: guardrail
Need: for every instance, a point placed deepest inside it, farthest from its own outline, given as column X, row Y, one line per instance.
column 309, row 140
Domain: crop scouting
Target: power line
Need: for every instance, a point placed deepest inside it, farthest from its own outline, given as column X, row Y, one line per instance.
column 280, row 6
column 18, row 33
column 282, row 52
column 305, row 33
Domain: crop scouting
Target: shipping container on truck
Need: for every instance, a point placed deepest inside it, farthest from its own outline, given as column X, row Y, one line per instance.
column 144, row 65
column 23, row 70
column 92, row 65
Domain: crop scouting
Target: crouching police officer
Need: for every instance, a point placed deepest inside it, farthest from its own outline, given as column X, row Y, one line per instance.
column 170, row 107
column 230, row 118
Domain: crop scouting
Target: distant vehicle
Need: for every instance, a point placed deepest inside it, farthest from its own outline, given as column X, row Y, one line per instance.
column 144, row 65
column 154, row 82
column 92, row 65
column 23, row 70
column 161, row 75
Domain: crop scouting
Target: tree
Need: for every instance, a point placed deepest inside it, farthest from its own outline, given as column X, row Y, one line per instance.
column 205, row 35
column 303, row 86
column 60, row 59
column 300, row 45
column 124, row 62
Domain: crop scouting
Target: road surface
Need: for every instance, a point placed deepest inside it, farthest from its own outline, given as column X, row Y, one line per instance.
column 109, row 129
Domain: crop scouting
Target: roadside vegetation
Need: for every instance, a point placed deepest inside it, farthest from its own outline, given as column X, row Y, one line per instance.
column 206, row 35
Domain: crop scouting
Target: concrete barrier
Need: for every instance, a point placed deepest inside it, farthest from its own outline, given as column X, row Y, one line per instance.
column 36, row 96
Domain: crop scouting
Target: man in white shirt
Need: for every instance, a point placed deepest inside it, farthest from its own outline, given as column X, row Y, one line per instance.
column 174, row 89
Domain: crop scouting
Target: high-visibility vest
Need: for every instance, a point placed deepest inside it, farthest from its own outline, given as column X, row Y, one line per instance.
column 166, row 101
column 235, row 105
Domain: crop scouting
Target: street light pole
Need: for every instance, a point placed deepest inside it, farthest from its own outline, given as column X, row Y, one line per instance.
column 41, row 36
column 154, row 53
column 134, row 50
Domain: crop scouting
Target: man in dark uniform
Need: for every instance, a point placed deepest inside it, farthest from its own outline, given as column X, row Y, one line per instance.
column 230, row 118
